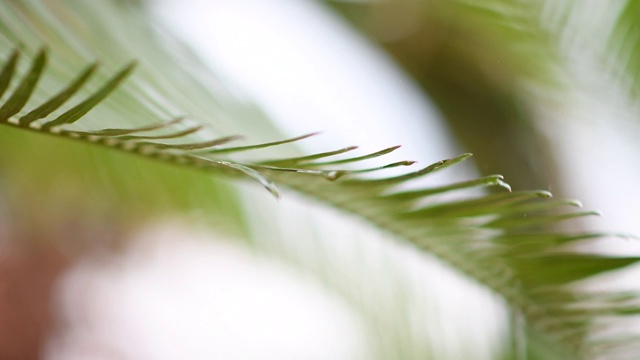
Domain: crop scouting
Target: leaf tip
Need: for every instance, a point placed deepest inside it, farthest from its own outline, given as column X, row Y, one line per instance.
column 305, row 136
column 497, row 180
column 505, row 185
column 274, row 191
column 576, row 203
column 544, row 194
column 334, row 175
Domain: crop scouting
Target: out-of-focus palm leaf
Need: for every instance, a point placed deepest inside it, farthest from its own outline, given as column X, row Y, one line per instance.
column 623, row 50
column 484, row 65
column 476, row 61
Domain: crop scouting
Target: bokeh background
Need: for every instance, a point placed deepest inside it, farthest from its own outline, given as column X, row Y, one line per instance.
column 105, row 256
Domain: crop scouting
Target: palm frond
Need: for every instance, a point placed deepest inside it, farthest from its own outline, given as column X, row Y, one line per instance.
column 201, row 154
column 624, row 47
column 495, row 239
column 492, row 239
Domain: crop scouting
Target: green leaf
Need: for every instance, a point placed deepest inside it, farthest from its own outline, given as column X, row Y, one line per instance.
column 492, row 180
column 173, row 135
column 440, row 165
column 189, row 146
column 477, row 206
column 357, row 158
column 557, row 269
column 305, row 159
column 256, row 146
column 120, row 132
column 23, row 92
column 74, row 114
column 58, row 100
column 6, row 74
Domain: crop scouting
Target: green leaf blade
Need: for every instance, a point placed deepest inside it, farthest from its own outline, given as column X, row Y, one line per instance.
column 25, row 89
column 78, row 111
column 8, row 70
column 59, row 99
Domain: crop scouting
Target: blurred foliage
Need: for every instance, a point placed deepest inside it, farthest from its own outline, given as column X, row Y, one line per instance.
column 625, row 46
column 476, row 61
